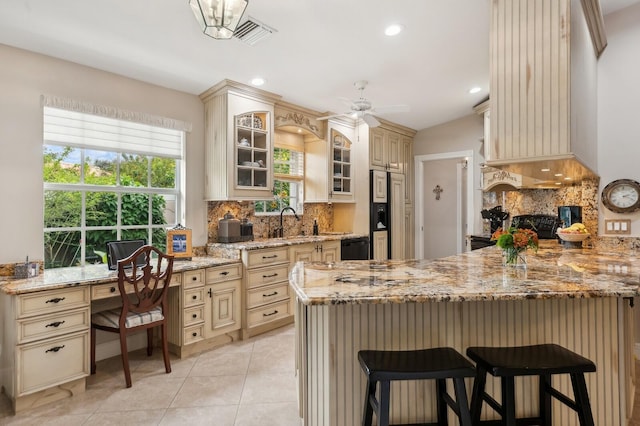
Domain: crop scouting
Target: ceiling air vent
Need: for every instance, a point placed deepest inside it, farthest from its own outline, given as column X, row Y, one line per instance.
column 252, row 31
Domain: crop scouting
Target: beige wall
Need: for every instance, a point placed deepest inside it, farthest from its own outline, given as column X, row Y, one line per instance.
column 24, row 77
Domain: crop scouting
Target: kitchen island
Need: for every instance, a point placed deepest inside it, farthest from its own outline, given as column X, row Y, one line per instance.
column 581, row 299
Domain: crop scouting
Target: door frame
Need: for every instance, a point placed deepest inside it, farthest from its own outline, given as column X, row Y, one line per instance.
column 419, row 163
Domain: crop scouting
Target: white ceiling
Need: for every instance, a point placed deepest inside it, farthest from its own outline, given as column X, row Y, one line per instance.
column 321, row 48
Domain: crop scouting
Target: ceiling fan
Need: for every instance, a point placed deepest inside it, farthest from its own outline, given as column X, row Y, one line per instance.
column 362, row 108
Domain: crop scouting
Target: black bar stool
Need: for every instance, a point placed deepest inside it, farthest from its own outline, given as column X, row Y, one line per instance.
column 437, row 363
column 537, row 360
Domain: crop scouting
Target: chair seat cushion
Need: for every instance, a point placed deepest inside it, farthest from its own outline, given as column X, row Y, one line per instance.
column 111, row 318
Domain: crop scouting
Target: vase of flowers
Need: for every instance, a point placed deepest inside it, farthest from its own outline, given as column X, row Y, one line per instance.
column 514, row 242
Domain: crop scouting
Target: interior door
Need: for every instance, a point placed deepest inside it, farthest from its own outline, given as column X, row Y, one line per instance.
column 442, row 194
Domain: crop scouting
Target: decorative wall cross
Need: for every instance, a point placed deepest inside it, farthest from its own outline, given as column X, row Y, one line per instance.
column 437, row 190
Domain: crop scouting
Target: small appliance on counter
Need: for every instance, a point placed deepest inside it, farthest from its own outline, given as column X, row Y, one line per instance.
column 246, row 230
column 496, row 218
column 229, row 229
column 569, row 215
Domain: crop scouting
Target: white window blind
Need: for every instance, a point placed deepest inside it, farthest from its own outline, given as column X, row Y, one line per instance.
column 71, row 128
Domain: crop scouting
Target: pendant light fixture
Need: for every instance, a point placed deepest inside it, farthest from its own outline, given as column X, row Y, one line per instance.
column 218, row 18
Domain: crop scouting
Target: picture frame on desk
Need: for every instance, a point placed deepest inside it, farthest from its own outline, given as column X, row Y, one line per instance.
column 179, row 243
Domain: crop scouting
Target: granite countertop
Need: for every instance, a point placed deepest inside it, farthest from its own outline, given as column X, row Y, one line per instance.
column 232, row 250
column 552, row 272
column 94, row 274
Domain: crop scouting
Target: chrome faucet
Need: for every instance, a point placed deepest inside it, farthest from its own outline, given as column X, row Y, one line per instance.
column 281, row 230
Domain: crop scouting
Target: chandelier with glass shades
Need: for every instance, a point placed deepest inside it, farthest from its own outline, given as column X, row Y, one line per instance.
column 218, row 18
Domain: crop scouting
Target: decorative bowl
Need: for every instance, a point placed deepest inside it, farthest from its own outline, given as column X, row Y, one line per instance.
column 573, row 237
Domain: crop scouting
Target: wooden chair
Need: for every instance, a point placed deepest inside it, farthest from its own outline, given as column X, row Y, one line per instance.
column 143, row 282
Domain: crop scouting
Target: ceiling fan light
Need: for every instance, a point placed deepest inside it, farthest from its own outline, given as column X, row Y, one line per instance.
column 218, row 18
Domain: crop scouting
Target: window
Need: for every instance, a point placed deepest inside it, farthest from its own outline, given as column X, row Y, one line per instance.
column 106, row 179
column 288, row 169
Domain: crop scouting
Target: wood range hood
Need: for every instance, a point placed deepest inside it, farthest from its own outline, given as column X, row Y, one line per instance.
column 543, row 102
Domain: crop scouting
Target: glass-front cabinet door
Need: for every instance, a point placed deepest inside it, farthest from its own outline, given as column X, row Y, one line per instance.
column 341, row 164
column 253, row 159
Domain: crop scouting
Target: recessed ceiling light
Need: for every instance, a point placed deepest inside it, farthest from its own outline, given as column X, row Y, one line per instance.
column 394, row 29
column 258, row 81
column 474, row 90
column 545, row 170
column 567, row 178
column 558, row 183
column 558, row 174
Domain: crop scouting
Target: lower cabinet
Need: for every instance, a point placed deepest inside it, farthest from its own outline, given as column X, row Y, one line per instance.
column 205, row 311
column 326, row 251
column 45, row 345
column 267, row 300
column 380, row 245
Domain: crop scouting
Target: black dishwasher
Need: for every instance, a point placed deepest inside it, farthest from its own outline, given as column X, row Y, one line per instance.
column 355, row 248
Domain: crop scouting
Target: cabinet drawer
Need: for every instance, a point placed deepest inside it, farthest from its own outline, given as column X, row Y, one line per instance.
column 193, row 316
column 224, row 273
column 104, row 291
column 193, row 334
column 42, row 327
column 269, row 294
column 266, row 257
column 193, row 278
column 264, row 276
column 176, row 279
column 44, row 364
column 268, row 313
column 193, row 297
column 51, row 301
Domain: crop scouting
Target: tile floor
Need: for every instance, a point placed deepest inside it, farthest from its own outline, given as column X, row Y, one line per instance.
column 241, row 384
column 246, row 383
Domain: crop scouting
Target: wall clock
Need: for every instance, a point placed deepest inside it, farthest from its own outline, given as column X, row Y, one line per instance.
column 622, row 196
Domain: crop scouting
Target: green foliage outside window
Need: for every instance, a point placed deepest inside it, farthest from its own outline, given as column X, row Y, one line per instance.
column 63, row 207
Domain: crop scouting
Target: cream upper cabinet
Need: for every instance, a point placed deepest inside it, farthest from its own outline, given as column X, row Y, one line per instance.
column 385, row 151
column 407, row 149
column 329, row 164
column 238, row 142
column 378, row 186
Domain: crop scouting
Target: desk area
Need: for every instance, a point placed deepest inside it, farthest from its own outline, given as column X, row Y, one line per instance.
column 45, row 322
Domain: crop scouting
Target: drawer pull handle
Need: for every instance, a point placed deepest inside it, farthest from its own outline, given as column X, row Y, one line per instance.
column 54, row 349
column 112, row 289
column 268, row 315
column 194, row 315
column 194, row 297
column 224, row 273
column 194, row 334
column 55, row 300
column 270, row 276
column 194, row 278
column 270, row 294
column 54, row 324
column 273, row 256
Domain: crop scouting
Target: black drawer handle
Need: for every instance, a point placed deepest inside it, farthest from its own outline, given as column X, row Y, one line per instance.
column 55, row 300
column 54, row 324
column 112, row 289
column 54, row 349
column 194, row 278
column 194, row 334
column 270, row 294
column 268, row 315
column 273, row 256
column 224, row 273
column 270, row 276
column 194, row 297
column 194, row 316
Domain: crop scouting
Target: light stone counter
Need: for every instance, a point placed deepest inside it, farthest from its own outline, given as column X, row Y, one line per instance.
column 93, row 274
column 552, row 272
column 577, row 298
